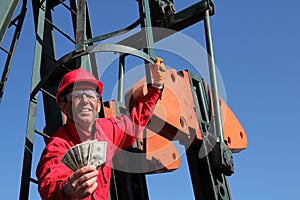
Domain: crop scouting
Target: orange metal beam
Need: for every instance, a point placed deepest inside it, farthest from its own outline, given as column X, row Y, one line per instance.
column 161, row 154
column 234, row 134
column 175, row 116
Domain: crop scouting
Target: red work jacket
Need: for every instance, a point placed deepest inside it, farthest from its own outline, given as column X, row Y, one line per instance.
column 119, row 132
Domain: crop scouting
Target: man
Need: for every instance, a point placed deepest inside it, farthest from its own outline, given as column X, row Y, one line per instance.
column 78, row 97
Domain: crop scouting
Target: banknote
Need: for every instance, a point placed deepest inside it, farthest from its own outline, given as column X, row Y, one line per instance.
column 69, row 162
column 97, row 155
column 86, row 153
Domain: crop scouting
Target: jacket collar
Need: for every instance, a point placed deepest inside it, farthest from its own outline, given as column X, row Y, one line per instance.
column 77, row 133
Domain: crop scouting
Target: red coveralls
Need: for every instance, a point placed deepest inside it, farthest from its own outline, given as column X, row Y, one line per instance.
column 119, row 132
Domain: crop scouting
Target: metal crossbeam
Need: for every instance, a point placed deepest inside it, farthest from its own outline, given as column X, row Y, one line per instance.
column 5, row 17
column 7, row 10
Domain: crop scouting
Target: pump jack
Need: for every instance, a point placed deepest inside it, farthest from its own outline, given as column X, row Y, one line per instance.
column 195, row 119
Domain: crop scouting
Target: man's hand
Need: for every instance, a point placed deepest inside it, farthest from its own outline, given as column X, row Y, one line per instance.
column 81, row 183
column 157, row 72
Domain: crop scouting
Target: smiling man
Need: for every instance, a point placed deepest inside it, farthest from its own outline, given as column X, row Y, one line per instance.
column 78, row 97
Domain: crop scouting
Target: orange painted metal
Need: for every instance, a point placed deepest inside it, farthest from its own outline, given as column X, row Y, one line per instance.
column 234, row 134
column 161, row 154
column 175, row 116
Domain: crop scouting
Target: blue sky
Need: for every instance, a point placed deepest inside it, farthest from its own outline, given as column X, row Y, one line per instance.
column 257, row 49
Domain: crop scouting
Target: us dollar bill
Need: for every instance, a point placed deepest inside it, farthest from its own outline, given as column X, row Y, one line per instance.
column 86, row 153
column 98, row 153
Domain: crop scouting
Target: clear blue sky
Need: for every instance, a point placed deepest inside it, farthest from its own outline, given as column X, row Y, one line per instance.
column 257, row 48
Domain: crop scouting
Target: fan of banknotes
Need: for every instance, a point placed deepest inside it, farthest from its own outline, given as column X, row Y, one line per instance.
column 86, row 153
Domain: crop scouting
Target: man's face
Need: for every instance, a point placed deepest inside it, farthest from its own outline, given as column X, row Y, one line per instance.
column 82, row 106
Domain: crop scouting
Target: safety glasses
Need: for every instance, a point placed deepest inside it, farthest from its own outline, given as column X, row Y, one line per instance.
column 78, row 94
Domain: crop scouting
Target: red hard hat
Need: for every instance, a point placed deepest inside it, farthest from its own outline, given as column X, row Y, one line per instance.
column 81, row 76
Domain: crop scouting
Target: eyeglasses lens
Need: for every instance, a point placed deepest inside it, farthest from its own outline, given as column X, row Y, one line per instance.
column 78, row 94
